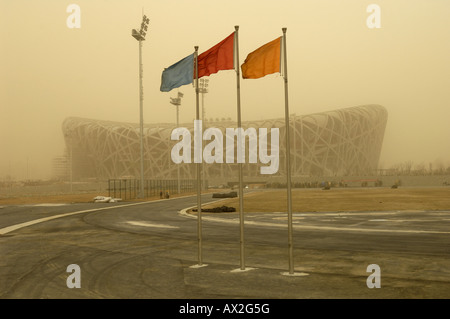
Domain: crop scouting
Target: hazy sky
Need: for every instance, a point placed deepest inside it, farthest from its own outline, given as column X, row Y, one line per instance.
column 49, row 72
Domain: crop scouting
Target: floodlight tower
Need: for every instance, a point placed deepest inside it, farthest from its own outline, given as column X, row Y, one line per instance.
column 203, row 88
column 140, row 36
column 177, row 102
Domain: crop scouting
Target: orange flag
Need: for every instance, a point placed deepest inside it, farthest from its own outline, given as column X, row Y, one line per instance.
column 264, row 60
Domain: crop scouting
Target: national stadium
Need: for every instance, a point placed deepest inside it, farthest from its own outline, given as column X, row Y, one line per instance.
column 340, row 142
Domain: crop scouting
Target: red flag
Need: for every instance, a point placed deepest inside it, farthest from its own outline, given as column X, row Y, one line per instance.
column 219, row 57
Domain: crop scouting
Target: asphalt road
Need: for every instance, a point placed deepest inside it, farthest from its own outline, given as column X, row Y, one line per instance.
column 150, row 250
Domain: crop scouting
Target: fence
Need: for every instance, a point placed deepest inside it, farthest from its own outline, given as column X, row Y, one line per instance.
column 130, row 188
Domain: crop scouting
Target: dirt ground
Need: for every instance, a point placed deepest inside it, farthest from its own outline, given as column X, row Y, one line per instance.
column 54, row 199
column 87, row 197
column 62, row 199
column 303, row 200
column 344, row 199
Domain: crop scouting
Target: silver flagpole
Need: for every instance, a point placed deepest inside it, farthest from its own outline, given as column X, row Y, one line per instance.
column 288, row 155
column 241, row 188
column 141, row 122
column 199, row 167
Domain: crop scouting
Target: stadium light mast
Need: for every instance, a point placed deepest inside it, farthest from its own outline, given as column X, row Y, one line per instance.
column 177, row 102
column 140, row 36
column 203, row 88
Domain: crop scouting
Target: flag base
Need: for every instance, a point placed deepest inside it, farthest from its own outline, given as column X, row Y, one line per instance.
column 243, row 270
column 295, row 274
column 198, row 266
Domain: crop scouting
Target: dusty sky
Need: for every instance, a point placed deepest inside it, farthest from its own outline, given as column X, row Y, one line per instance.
column 49, row 72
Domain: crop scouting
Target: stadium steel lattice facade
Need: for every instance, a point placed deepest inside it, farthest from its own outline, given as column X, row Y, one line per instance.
column 336, row 143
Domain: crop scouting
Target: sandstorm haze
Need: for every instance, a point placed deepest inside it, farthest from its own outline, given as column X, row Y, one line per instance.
column 50, row 72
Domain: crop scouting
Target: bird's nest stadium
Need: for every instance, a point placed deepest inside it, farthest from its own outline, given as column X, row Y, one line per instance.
column 341, row 142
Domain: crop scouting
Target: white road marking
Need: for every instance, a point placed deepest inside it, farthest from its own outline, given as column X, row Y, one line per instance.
column 147, row 224
column 48, row 205
column 11, row 228
column 328, row 228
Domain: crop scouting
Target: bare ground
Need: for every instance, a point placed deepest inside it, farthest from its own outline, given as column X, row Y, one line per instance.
column 344, row 199
column 67, row 198
column 56, row 199
column 303, row 200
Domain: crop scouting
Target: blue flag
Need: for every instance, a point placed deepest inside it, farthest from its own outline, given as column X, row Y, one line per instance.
column 178, row 74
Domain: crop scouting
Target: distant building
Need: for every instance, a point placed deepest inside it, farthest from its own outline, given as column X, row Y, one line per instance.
column 340, row 142
column 61, row 168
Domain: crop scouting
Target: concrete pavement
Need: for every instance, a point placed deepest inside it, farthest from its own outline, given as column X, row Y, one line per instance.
column 149, row 250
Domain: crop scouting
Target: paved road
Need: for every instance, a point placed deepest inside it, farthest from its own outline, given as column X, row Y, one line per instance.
column 149, row 250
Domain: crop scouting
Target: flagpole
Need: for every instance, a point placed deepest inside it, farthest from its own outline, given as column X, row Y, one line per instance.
column 199, row 167
column 288, row 155
column 239, row 124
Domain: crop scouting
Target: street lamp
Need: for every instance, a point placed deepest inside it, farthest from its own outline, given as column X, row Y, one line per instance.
column 203, row 88
column 177, row 102
column 140, row 36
